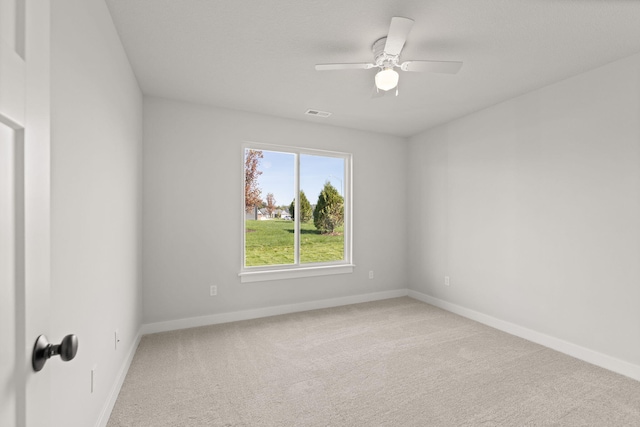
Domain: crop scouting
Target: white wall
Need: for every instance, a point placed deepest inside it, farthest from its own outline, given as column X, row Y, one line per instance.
column 96, row 158
column 532, row 207
column 192, row 223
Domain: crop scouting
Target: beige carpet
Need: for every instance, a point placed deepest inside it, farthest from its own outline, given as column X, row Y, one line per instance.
column 398, row 362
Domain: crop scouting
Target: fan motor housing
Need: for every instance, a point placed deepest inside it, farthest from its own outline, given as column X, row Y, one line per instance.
column 380, row 57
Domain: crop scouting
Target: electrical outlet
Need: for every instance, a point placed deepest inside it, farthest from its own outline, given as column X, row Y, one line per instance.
column 116, row 339
column 446, row 280
column 213, row 290
column 371, row 274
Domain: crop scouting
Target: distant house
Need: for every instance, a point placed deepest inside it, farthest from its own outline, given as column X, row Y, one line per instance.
column 256, row 214
column 281, row 213
column 261, row 214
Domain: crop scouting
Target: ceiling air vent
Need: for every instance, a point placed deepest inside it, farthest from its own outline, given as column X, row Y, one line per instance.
column 317, row 113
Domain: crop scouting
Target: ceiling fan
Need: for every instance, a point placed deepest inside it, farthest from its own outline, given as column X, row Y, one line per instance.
column 386, row 57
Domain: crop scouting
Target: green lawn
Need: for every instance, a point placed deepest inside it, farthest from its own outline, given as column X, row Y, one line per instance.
column 270, row 242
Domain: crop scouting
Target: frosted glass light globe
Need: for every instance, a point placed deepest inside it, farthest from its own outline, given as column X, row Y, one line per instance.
column 387, row 79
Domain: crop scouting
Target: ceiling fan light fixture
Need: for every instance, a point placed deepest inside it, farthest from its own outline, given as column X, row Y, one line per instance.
column 387, row 79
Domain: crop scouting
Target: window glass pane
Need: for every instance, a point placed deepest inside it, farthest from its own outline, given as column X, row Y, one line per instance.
column 322, row 220
column 269, row 189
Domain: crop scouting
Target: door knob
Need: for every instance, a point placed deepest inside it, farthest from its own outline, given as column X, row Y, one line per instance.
column 43, row 350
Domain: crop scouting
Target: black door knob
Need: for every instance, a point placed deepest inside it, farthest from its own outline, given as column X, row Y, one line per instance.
column 42, row 350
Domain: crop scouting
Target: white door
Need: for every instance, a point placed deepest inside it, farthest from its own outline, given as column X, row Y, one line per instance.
column 24, row 209
column 7, row 279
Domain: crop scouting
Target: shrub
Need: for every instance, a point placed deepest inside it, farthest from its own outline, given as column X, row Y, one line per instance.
column 329, row 212
column 305, row 208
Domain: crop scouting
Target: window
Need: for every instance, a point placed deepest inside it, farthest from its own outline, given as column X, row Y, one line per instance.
column 296, row 213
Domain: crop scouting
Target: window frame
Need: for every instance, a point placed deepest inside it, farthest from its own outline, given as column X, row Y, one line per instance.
column 297, row 270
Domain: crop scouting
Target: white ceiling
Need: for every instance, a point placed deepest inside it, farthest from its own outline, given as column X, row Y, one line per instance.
column 259, row 55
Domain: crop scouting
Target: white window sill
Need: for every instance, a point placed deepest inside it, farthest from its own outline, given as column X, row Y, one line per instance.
column 294, row 273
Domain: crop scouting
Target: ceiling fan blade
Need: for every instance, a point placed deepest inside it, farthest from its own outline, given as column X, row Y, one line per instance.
column 327, row 67
column 398, row 32
column 448, row 67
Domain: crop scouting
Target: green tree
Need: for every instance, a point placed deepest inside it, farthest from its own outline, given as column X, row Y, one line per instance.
column 305, row 208
column 329, row 211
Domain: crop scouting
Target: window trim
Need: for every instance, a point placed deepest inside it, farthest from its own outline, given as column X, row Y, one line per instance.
column 290, row 271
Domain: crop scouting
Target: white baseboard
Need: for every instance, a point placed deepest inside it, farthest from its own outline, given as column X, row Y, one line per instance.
column 599, row 359
column 213, row 319
column 103, row 419
column 608, row 362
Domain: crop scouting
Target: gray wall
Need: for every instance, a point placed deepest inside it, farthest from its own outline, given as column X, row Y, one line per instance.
column 192, row 210
column 532, row 208
column 96, row 121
